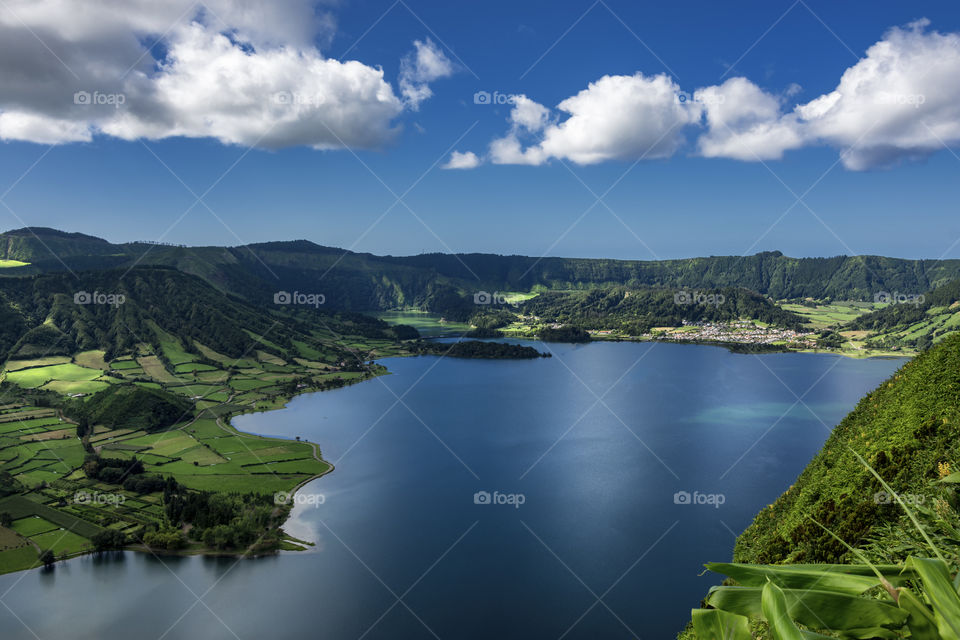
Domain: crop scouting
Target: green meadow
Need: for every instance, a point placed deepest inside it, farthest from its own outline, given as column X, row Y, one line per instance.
column 43, row 454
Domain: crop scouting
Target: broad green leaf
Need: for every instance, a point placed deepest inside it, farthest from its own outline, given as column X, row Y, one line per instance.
column 941, row 593
column 953, row 478
column 923, row 626
column 774, row 605
column 814, row 608
column 714, row 624
column 844, row 578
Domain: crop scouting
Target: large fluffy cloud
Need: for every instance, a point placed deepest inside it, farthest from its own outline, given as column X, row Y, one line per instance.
column 901, row 101
column 241, row 71
column 744, row 122
column 614, row 118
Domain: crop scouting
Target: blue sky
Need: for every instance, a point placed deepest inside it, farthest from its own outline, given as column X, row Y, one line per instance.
column 127, row 181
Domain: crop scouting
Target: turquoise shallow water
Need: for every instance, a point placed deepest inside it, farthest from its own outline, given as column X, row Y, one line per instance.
column 404, row 550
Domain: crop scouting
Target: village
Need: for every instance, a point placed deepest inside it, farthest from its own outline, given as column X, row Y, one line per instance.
column 742, row 331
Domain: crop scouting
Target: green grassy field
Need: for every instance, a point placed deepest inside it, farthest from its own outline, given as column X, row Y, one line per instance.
column 825, row 316
column 428, row 324
column 15, row 365
column 38, row 376
column 154, row 368
column 24, row 557
column 91, row 359
column 32, row 526
column 171, row 347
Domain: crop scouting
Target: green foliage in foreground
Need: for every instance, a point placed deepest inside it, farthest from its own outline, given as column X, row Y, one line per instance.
column 915, row 599
column 883, row 493
column 845, row 601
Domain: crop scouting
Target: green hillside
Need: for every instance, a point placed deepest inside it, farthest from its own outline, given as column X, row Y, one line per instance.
column 133, row 406
column 917, row 323
column 906, row 429
column 638, row 310
column 55, row 314
column 866, row 542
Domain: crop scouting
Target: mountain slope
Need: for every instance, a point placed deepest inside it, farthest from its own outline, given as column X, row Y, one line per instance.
column 41, row 244
column 918, row 322
column 60, row 314
column 904, row 429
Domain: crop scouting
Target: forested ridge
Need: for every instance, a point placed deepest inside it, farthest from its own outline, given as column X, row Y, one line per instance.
column 440, row 282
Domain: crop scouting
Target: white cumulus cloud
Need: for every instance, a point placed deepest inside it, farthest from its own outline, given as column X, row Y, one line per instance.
column 900, row 101
column 744, row 122
column 240, row 71
column 465, row 160
column 614, row 118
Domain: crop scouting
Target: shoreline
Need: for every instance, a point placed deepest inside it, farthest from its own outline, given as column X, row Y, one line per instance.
column 743, row 348
column 225, row 422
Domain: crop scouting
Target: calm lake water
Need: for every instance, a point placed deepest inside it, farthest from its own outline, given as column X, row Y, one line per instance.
column 596, row 443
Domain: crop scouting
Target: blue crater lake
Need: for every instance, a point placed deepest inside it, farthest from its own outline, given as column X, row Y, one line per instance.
column 576, row 496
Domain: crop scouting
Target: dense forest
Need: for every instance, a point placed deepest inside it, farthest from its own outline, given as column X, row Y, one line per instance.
column 129, row 406
column 477, row 349
column 636, row 311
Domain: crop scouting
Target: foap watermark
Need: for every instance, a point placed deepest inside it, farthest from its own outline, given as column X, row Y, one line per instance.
column 685, row 297
column 908, row 99
column 487, row 298
column 98, row 297
column 297, row 298
column 485, row 97
column 699, row 97
column 98, row 498
column 885, row 497
column 513, row 499
column 296, row 98
column 685, row 497
column 885, row 297
column 282, row 498
column 97, row 98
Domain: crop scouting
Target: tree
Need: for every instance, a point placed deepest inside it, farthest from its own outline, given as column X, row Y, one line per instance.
column 109, row 539
column 5, row 519
column 47, row 558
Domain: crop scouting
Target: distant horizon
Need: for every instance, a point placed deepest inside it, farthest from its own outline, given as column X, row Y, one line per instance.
column 467, row 253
